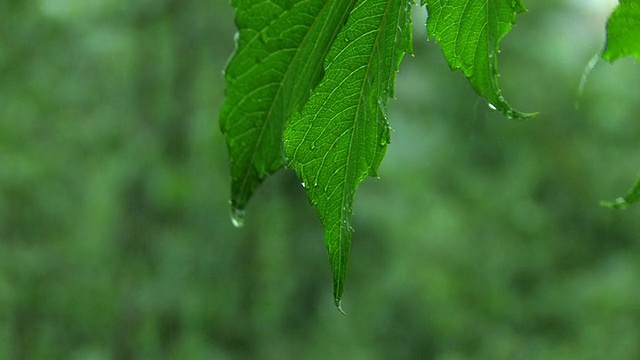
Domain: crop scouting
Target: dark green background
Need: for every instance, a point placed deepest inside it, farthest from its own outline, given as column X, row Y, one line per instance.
column 482, row 240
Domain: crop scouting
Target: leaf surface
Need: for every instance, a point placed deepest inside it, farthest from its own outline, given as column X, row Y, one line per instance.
column 623, row 31
column 340, row 136
column 469, row 32
column 281, row 46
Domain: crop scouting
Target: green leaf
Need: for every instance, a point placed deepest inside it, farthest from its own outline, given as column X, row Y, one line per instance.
column 623, row 39
column 623, row 31
column 281, row 46
column 341, row 135
column 469, row 32
column 624, row 202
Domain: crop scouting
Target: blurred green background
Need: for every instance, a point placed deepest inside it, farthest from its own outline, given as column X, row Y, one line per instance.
column 482, row 240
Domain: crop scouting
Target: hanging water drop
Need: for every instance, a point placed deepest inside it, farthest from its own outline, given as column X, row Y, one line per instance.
column 621, row 201
column 339, row 306
column 237, row 217
column 492, row 107
column 303, row 185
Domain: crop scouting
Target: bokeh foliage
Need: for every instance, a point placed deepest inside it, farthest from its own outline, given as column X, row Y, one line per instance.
column 482, row 240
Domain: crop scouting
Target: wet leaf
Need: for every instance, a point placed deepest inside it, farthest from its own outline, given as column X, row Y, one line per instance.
column 623, row 31
column 281, row 46
column 341, row 135
column 469, row 33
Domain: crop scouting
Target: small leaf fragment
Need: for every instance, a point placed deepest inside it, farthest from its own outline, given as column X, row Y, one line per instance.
column 625, row 201
column 623, row 31
column 469, row 33
column 340, row 136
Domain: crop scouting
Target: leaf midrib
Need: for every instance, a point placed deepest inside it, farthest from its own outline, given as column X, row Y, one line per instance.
column 344, row 212
column 263, row 127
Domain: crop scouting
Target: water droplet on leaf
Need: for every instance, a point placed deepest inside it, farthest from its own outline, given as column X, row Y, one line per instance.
column 237, row 217
column 492, row 107
column 339, row 306
column 509, row 114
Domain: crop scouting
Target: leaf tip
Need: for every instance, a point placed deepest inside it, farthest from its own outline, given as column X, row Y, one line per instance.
column 620, row 203
column 523, row 116
column 510, row 112
column 338, row 304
